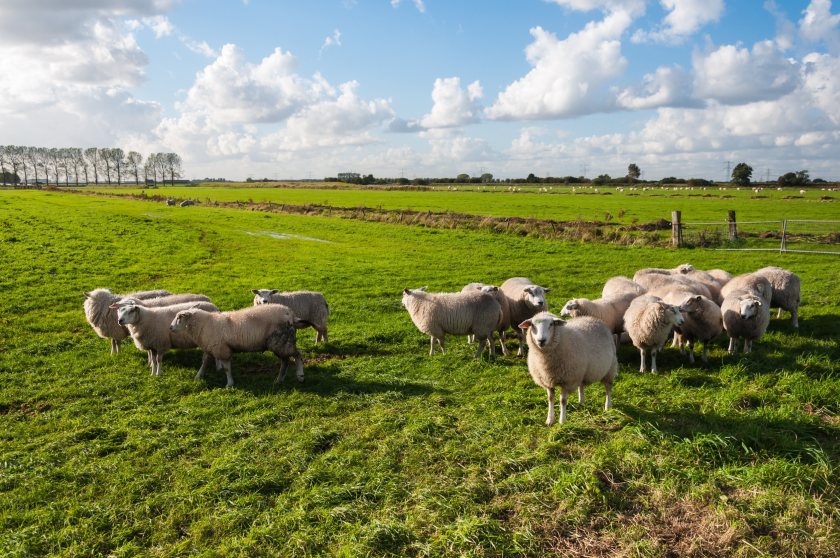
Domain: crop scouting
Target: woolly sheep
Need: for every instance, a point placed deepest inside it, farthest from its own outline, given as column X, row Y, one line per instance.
column 149, row 328
column 757, row 284
column 103, row 319
column 652, row 281
column 309, row 306
column 524, row 300
column 252, row 329
column 702, row 322
column 721, row 276
column 704, row 277
column 570, row 354
column 649, row 321
column 609, row 311
column 620, row 286
column 503, row 302
column 786, row 295
column 437, row 314
column 745, row 316
column 161, row 301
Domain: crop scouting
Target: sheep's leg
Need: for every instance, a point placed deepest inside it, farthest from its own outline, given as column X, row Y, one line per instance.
column 643, row 367
column 564, row 398
column 115, row 346
column 705, row 356
column 228, row 373
column 152, row 358
column 747, row 346
column 690, row 351
column 653, row 360
column 441, row 342
column 551, row 419
column 779, row 315
column 284, row 364
column 581, row 396
column 608, row 399
column 617, row 340
column 521, row 335
column 732, row 349
column 158, row 362
column 502, row 343
column 470, row 339
column 205, row 361
column 432, row 345
column 794, row 317
column 298, row 366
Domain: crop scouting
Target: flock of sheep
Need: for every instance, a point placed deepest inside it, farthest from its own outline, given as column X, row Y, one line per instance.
column 569, row 351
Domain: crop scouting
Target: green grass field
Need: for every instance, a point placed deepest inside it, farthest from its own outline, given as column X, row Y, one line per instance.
column 383, row 450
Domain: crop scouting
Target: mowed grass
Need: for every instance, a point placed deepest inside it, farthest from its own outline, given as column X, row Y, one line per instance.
column 384, row 450
column 560, row 203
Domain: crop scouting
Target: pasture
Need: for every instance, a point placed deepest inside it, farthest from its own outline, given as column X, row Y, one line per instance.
column 384, row 450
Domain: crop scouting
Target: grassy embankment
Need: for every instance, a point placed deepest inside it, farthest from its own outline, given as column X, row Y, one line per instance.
column 383, row 449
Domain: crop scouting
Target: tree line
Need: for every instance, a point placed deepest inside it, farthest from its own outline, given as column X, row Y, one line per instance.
column 100, row 165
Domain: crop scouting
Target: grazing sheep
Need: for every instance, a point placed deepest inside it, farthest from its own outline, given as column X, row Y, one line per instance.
column 786, row 295
column 702, row 322
column 252, row 329
column 187, row 203
column 616, row 287
column 309, row 306
column 161, row 301
column 149, row 328
column 610, row 311
column 570, row 354
column 436, row 314
column 756, row 284
column 649, row 321
column 103, row 319
column 704, row 277
column 503, row 302
column 524, row 300
column 745, row 316
column 653, row 281
column 171, row 202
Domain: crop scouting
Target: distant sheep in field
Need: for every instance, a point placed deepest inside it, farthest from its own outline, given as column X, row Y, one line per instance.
column 786, row 291
column 187, row 203
column 253, row 329
column 649, row 321
column 569, row 354
column 103, row 319
column 437, row 314
column 309, row 306
column 171, row 202
column 525, row 299
column 746, row 316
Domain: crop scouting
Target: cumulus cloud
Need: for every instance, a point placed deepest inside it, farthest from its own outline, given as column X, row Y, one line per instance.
column 634, row 7
column 822, row 82
column 160, row 25
column 684, row 18
column 453, row 105
column 818, row 24
column 331, row 40
column 419, row 4
column 567, row 75
column 667, row 86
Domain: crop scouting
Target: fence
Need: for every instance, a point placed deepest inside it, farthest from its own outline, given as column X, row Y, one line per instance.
column 802, row 236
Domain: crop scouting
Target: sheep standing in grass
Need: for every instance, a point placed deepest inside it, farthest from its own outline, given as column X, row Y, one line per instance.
column 786, row 293
column 652, row 281
column 649, row 321
column 503, row 302
column 437, row 314
column 309, row 306
column 253, row 329
column 704, row 277
column 609, row 311
column 756, row 284
column 103, row 319
column 570, row 354
column 524, row 300
column 703, row 322
column 746, row 316
column 149, row 328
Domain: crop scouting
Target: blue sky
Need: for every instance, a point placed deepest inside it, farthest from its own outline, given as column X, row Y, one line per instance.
column 430, row 88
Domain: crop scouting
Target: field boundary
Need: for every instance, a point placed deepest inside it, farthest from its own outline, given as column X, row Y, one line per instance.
column 784, row 235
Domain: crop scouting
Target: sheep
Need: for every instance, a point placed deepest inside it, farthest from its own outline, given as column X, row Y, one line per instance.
column 503, row 302
column 610, row 311
column 756, row 284
column 704, row 277
column 721, row 276
column 309, row 306
column 437, row 314
column 570, row 354
column 649, row 321
column 161, row 301
column 619, row 286
column 653, row 281
column 252, row 329
column 149, row 328
column 745, row 316
column 171, row 202
column 103, row 319
column 524, row 300
column 786, row 295
column 187, row 203
column 702, row 322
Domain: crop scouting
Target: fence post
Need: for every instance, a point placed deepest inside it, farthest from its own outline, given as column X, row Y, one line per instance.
column 676, row 229
column 733, row 226
column 784, row 236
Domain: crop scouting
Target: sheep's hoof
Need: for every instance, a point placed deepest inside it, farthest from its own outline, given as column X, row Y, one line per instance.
column 230, row 385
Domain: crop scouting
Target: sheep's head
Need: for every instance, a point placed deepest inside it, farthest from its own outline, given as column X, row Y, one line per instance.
column 540, row 328
column 672, row 313
column 691, row 304
column 685, row 268
column 126, row 313
column 535, row 296
column 748, row 307
column 489, row 289
column 570, row 308
column 263, row 296
column 408, row 293
column 181, row 321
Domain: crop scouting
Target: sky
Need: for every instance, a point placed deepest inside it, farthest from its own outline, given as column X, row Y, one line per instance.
column 430, row 88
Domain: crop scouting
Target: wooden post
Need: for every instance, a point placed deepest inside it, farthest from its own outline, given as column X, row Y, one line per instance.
column 733, row 226
column 784, row 236
column 676, row 229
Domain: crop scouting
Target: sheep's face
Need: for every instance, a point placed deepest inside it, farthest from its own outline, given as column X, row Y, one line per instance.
column 535, row 296
column 749, row 307
column 181, row 321
column 570, row 308
column 691, row 304
column 673, row 314
column 541, row 328
column 685, row 268
column 127, row 314
column 492, row 289
column 263, row 296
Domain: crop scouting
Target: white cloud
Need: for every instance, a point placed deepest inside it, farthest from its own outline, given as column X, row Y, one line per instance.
column 160, row 25
column 819, row 24
column 684, row 18
column 822, row 82
column 331, row 40
column 419, row 4
column 453, row 106
column 667, row 86
column 198, row 47
column 567, row 75
column 634, row 7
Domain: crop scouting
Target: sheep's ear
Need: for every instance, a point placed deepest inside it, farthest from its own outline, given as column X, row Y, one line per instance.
column 255, row 291
column 114, row 306
column 273, row 291
column 698, row 298
column 87, row 294
column 525, row 325
column 407, row 291
column 423, row 288
column 759, row 303
column 558, row 322
column 528, row 290
column 546, row 289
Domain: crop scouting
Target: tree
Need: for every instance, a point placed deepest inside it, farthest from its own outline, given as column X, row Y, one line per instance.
column 134, row 160
column 17, row 159
column 486, row 177
column 118, row 162
column 92, row 155
column 3, row 158
column 601, row 179
column 532, row 178
column 633, row 171
column 462, row 178
column 172, row 165
column 798, row 178
column 741, row 174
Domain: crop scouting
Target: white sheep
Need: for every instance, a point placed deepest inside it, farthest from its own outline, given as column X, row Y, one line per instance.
column 253, row 329
column 161, row 301
column 308, row 306
column 149, row 328
column 610, row 311
column 704, row 277
column 756, row 284
column 620, row 286
column 702, row 322
column 437, row 314
column 746, row 316
column 524, row 300
column 570, row 354
column 721, row 276
column 653, row 281
column 649, row 321
column 103, row 319
column 503, row 302
column 786, row 291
